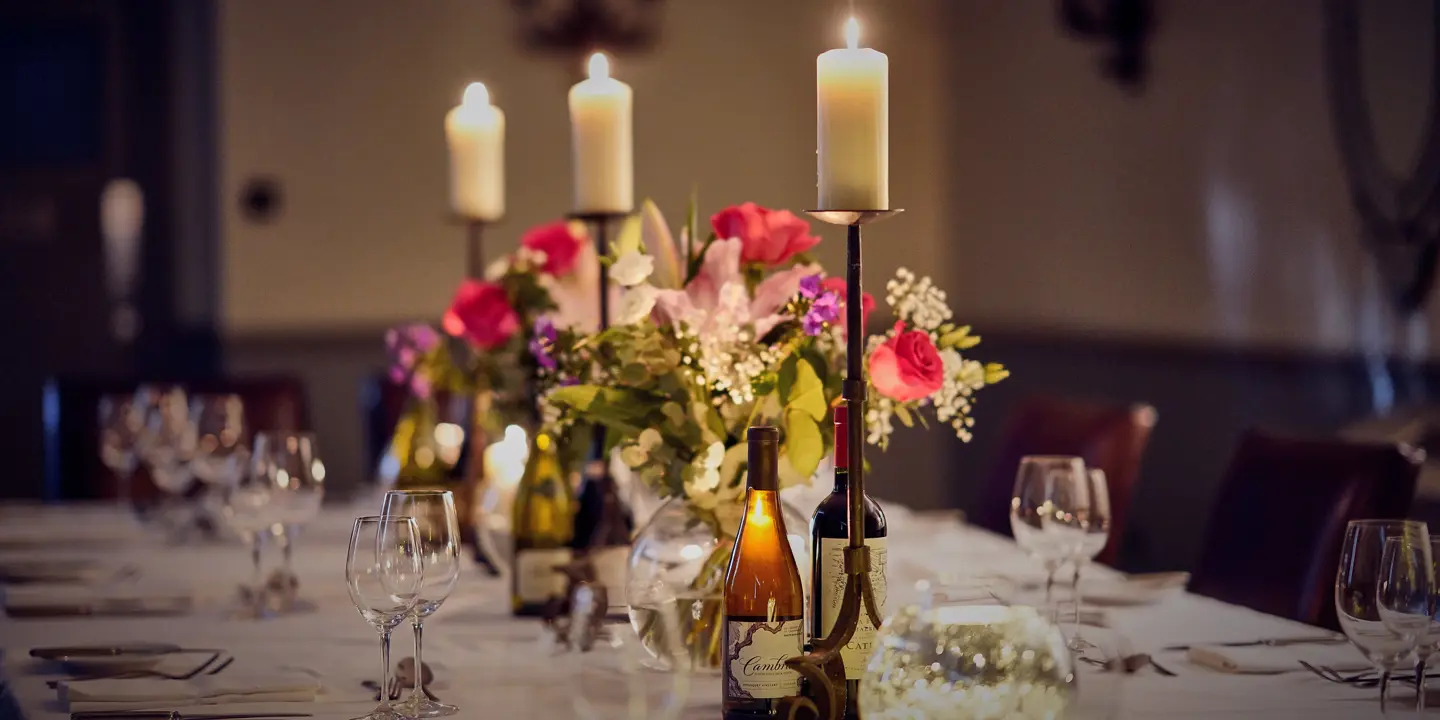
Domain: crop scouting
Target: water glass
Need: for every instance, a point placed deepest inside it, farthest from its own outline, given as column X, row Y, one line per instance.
column 1095, row 521
column 438, row 537
column 1048, row 511
column 221, row 456
column 121, row 419
column 383, row 573
column 298, row 477
column 1404, row 597
column 1363, row 575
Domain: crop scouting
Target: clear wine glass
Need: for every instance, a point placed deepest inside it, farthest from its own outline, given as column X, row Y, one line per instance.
column 251, row 510
column 221, row 455
column 165, row 444
column 1404, row 597
column 1052, row 493
column 1357, row 593
column 1430, row 644
column 438, row 531
column 299, row 479
column 121, row 421
column 1095, row 521
column 383, row 573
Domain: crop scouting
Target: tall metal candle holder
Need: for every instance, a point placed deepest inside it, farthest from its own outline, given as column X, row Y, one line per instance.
column 822, row 668
column 474, row 245
column 475, row 440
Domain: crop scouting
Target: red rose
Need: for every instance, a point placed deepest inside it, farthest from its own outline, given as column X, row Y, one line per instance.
column 907, row 366
column 867, row 301
column 559, row 244
column 768, row 237
column 481, row 314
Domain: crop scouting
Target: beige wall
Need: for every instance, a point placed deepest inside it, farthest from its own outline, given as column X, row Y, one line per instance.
column 343, row 101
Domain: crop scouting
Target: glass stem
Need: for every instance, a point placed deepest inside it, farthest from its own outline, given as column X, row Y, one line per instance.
column 1420, row 686
column 1384, row 688
column 417, row 694
column 1076, row 593
column 1051, row 568
column 257, row 578
column 384, row 670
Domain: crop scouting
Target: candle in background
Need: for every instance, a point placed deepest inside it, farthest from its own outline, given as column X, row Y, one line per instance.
column 852, row 88
column 475, row 134
column 602, row 140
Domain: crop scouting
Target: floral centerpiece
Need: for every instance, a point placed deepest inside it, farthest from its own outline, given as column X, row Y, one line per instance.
column 739, row 329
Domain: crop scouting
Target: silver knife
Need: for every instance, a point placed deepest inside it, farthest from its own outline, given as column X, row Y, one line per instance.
column 1271, row 642
column 174, row 715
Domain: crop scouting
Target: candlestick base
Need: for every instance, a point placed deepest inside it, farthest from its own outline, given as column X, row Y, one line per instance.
column 596, row 216
column 852, row 217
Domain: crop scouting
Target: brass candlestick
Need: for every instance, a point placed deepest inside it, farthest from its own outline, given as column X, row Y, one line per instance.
column 822, row 667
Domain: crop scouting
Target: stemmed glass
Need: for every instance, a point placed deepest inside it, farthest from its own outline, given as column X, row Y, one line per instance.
column 1052, row 495
column 221, row 456
column 438, row 538
column 251, row 509
column 384, row 572
column 1404, row 597
column 121, row 420
column 1095, row 520
column 1363, row 580
column 299, row 479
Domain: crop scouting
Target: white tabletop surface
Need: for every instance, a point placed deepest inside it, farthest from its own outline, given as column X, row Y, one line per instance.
column 493, row 665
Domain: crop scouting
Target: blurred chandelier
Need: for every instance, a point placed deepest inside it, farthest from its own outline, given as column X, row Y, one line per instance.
column 578, row 27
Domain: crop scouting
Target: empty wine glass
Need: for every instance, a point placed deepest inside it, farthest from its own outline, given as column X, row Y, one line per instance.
column 1430, row 644
column 165, row 444
column 250, row 509
column 1404, row 597
column 121, row 420
column 1052, row 494
column 298, row 476
column 383, row 573
column 221, row 455
column 438, row 537
column 1357, row 593
column 1095, row 520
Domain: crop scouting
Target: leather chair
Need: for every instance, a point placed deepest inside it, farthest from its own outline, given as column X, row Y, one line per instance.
column 1274, row 537
column 1107, row 436
column 73, row 470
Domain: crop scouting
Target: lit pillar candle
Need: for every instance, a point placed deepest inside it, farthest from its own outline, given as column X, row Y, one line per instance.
column 852, row 89
column 602, row 140
column 475, row 134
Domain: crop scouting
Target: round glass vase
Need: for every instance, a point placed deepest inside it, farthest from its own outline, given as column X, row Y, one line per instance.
column 677, row 565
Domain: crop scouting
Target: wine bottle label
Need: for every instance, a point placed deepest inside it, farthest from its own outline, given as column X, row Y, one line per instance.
column 755, row 655
column 610, row 570
column 831, row 594
column 536, row 579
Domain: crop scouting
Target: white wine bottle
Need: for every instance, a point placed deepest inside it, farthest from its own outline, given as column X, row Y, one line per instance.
column 764, row 600
column 543, row 526
column 830, row 535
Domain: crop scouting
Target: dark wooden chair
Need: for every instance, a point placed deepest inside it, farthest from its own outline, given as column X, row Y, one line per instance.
column 1275, row 531
column 73, row 470
column 1108, row 436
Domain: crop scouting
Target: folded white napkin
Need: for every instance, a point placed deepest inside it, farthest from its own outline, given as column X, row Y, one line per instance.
column 1126, row 590
column 1266, row 660
column 224, row 689
column 71, row 600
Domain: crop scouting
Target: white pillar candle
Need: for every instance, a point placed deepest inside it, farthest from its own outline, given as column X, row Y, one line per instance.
column 852, row 88
column 602, row 141
column 475, row 134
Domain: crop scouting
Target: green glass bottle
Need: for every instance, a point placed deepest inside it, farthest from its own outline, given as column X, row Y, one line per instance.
column 544, row 518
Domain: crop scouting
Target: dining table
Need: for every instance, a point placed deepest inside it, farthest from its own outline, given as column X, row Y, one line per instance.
column 493, row 665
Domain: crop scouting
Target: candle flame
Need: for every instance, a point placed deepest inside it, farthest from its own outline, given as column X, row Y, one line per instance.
column 599, row 66
column 852, row 33
column 476, row 95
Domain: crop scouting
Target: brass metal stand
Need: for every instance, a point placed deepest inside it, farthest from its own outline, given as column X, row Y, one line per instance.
column 823, row 696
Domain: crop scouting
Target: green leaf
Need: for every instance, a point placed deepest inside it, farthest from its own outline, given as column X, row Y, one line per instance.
column 629, row 239
column 786, row 379
column 804, row 445
column 699, row 258
column 692, row 224
column 808, row 393
column 904, row 414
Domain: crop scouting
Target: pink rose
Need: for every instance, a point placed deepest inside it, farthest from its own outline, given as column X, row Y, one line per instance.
column 768, row 237
column 559, row 244
column 907, row 366
column 481, row 314
column 867, row 301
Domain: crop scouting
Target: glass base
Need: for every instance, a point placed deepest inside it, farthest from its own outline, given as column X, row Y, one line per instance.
column 423, row 708
column 384, row 712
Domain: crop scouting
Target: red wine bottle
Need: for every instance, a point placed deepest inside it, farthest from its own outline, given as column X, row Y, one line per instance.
column 830, row 535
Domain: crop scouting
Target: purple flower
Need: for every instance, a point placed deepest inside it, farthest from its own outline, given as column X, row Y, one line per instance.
column 810, row 285
column 543, row 341
column 825, row 309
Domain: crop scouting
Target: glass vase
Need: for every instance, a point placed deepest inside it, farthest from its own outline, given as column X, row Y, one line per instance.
column 677, row 566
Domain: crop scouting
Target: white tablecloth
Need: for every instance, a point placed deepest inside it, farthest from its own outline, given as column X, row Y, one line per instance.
column 493, row 666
